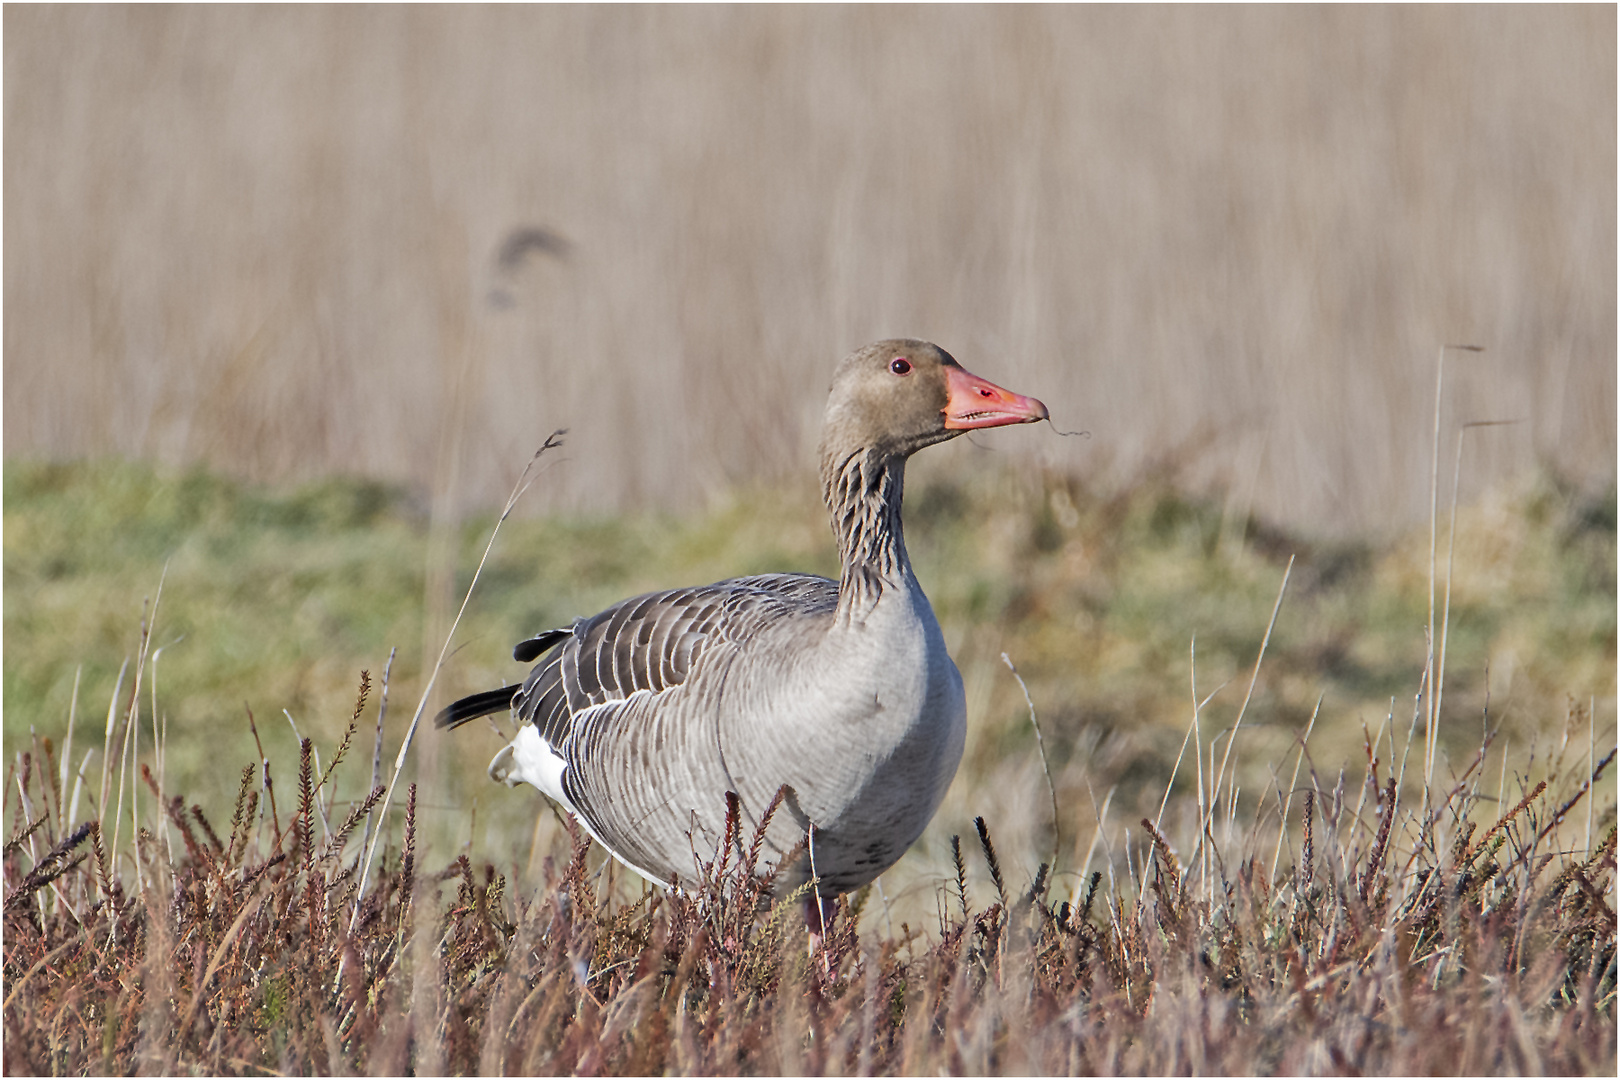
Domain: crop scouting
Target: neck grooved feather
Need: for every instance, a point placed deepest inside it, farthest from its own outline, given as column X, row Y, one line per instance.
column 864, row 493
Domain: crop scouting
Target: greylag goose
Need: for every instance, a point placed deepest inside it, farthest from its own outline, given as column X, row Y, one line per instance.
column 640, row 719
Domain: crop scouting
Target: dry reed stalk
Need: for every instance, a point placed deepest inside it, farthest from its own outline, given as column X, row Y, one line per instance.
column 1293, row 784
column 66, row 815
column 1194, row 733
column 132, row 729
column 1254, row 677
column 377, row 745
column 106, row 745
column 1432, row 722
column 525, row 479
column 1046, row 766
column 266, row 784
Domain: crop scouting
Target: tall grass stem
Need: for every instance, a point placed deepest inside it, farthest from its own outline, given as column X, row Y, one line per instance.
column 524, row 480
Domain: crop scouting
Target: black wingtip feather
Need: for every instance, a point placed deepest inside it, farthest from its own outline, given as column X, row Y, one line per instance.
column 530, row 649
column 472, row 707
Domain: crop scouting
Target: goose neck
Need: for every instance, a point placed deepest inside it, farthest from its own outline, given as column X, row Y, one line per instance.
column 863, row 493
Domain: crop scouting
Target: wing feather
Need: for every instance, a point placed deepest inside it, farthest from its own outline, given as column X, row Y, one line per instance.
column 613, row 696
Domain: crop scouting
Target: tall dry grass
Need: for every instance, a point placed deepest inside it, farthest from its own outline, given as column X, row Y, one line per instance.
column 286, row 241
column 1371, row 928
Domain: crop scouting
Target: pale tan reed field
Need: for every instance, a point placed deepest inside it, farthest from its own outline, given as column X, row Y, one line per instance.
column 1229, row 241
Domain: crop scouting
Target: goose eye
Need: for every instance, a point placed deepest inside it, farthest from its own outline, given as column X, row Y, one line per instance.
column 900, row 366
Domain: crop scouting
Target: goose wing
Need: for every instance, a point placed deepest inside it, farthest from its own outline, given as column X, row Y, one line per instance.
column 625, row 703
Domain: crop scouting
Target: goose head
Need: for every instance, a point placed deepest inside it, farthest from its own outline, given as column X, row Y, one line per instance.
column 895, row 397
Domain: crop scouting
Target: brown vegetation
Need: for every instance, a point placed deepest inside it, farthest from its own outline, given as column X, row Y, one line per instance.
column 1415, row 932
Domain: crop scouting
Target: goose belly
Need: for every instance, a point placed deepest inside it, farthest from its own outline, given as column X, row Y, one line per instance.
column 869, row 733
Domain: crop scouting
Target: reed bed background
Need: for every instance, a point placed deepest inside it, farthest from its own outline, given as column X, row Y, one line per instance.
column 408, row 242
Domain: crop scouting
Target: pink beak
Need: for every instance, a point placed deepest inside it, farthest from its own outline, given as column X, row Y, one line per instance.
column 980, row 403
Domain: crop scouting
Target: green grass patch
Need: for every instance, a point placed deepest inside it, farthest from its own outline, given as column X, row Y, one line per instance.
column 274, row 599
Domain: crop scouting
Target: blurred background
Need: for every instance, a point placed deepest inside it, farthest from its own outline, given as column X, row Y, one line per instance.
column 407, row 242
column 292, row 294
